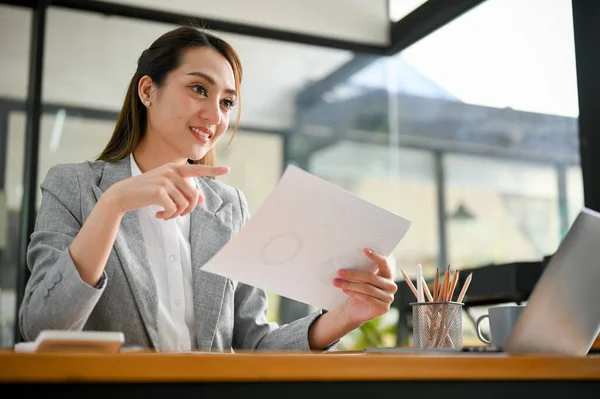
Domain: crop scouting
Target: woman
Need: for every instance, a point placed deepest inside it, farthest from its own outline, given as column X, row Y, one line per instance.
column 119, row 242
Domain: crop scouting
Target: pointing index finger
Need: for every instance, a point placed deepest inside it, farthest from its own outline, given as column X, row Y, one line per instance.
column 190, row 170
column 381, row 261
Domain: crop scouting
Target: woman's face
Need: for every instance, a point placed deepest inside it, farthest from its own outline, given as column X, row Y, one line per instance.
column 190, row 112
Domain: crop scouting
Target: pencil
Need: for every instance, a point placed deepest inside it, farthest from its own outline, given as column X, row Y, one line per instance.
column 410, row 284
column 426, row 288
column 453, row 285
column 436, row 284
column 461, row 296
column 444, row 287
column 421, row 297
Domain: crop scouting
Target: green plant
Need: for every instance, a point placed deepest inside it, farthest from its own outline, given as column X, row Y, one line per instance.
column 379, row 332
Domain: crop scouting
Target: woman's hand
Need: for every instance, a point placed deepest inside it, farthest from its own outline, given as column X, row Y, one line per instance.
column 369, row 294
column 164, row 186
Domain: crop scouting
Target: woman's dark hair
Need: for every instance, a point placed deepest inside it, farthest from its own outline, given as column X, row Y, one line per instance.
column 162, row 57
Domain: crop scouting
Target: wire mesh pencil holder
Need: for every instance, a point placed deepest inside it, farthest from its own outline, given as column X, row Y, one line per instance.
column 437, row 325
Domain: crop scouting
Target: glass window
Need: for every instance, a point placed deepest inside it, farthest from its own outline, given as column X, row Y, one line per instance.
column 506, row 126
column 499, row 211
column 510, row 54
column 492, row 95
column 65, row 138
column 399, row 180
column 15, row 28
column 574, row 192
column 255, row 160
column 359, row 135
column 506, row 122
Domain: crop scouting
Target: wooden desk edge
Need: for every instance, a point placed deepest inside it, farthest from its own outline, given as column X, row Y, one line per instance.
column 151, row 367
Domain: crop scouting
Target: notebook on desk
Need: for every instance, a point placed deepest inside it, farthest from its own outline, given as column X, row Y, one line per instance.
column 73, row 341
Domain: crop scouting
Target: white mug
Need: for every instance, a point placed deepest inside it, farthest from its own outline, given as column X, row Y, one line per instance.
column 502, row 320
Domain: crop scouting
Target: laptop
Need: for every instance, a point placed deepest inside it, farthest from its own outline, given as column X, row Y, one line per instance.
column 562, row 315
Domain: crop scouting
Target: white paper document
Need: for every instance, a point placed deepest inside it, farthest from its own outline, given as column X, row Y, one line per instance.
column 304, row 232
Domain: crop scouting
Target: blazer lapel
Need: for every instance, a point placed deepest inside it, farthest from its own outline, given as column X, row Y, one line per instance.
column 131, row 251
column 210, row 228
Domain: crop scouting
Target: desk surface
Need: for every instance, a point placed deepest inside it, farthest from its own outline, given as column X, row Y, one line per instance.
column 199, row 367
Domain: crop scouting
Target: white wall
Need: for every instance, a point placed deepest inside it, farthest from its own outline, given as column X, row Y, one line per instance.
column 364, row 21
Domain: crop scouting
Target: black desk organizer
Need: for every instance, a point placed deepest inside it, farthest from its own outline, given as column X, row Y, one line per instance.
column 491, row 284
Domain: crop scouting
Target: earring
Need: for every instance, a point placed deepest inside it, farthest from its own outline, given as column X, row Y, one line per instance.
column 147, row 103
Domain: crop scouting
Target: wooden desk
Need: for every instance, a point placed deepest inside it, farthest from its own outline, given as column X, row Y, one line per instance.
column 299, row 374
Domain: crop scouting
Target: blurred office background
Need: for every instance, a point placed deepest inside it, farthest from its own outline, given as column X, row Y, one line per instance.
column 470, row 131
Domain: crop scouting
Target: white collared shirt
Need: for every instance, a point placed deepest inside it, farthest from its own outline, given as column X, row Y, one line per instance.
column 167, row 244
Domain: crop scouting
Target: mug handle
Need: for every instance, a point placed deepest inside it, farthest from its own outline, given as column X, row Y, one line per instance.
column 478, row 329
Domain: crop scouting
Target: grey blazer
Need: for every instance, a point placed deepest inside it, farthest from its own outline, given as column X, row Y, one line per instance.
column 229, row 315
